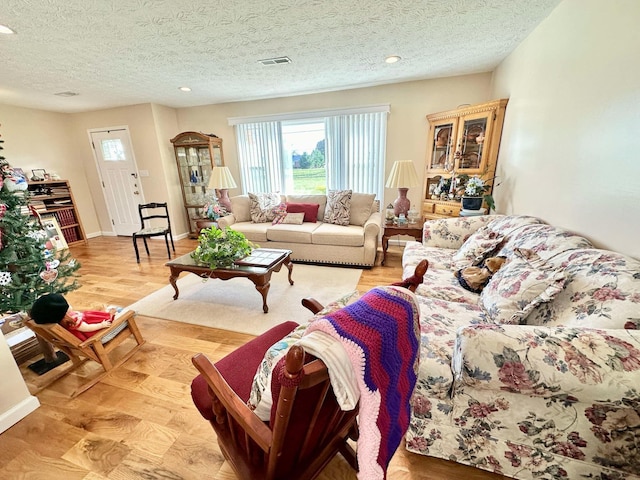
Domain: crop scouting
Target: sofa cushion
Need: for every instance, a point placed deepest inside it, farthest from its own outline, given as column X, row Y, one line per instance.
column 415, row 252
column 255, row 232
column 545, row 240
column 329, row 234
column 521, row 284
column 241, row 208
column 338, row 209
column 439, row 321
column 310, row 210
column 291, row 233
column 263, row 206
column 601, row 291
column 361, row 206
column 319, row 199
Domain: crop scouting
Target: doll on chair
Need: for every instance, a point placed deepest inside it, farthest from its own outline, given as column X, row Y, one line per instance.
column 53, row 308
column 475, row 278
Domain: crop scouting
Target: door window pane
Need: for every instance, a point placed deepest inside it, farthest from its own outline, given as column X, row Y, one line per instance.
column 112, row 150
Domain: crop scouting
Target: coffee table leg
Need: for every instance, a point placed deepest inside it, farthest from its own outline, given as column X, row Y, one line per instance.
column 263, row 284
column 289, row 264
column 172, row 280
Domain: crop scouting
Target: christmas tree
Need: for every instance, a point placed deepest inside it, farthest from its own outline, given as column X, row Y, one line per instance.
column 29, row 266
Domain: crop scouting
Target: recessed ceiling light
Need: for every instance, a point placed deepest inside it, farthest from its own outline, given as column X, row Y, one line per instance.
column 6, row 30
column 184, row 89
column 392, row 59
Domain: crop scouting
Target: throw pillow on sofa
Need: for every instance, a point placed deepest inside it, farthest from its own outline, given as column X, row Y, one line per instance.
column 361, row 206
column 476, row 248
column 294, row 219
column 280, row 212
column 338, row 209
column 310, row 210
column 522, row 283
column 262, row 206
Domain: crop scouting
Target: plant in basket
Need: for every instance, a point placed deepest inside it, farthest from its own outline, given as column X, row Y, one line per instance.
column 220, row 248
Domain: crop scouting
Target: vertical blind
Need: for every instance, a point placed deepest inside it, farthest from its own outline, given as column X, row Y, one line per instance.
column 355, row 152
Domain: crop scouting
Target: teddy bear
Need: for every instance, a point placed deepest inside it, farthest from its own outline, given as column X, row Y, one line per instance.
column 474, row 278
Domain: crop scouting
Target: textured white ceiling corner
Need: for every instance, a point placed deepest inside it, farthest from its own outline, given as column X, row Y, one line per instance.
column 125, row 52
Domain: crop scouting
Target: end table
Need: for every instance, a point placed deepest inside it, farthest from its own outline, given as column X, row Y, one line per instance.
column 412, row 229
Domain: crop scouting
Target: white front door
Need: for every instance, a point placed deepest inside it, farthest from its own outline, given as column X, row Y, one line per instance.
column 120, row 181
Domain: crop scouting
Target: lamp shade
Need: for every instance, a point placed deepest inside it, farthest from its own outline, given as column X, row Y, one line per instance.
column 221, row 178
column 403, row 175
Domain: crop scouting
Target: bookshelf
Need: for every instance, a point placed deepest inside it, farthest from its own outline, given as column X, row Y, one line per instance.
column 54, row 198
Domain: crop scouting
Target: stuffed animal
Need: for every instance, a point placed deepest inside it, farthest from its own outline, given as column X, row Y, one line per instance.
column 14, row 181
column 475, row 278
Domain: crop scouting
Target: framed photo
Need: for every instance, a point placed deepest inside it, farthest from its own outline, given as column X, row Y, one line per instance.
column 38, row 175
column 18, row 171
column 55, row 238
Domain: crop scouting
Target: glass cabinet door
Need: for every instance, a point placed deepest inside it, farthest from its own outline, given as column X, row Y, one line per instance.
column 442, row 148
column 470, row 153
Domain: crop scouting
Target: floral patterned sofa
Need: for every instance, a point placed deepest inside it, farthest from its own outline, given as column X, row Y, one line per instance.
column 538, row 376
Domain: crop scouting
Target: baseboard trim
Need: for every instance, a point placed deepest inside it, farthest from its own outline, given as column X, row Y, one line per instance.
column 18, row 412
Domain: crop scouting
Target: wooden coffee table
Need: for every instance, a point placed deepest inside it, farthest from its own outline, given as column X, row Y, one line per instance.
column 258, row 268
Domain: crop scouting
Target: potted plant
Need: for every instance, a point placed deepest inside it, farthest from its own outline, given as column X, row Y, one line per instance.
column 475, row 192
column 220, row 248
column 211, row 211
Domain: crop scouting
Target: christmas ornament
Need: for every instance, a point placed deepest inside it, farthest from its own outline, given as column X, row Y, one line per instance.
column 52, row 265
column 49, row 275
column 5, row 278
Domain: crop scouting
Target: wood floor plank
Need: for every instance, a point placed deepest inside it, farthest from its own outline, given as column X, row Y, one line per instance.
column 139, row 422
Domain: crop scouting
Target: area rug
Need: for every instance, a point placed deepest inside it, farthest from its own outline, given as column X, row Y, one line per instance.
column 236, row 305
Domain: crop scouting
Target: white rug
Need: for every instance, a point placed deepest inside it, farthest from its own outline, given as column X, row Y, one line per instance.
column 236, row 305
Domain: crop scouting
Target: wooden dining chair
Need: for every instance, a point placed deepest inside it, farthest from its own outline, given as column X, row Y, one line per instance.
column 98, row 347
column 149, row 212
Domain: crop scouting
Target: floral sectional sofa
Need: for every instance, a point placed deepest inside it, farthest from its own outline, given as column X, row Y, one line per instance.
column 538, row 376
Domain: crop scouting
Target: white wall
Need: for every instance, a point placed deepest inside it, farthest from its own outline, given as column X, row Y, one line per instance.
column 15, row 400
column 571, row 143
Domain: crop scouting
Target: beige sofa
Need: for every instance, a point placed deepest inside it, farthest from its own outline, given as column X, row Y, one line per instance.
column 354, row 244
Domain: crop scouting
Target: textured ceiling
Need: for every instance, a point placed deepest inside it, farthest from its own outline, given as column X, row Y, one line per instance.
column 124, row 52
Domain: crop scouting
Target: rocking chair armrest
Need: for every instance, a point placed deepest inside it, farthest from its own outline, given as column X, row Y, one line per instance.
column 311, row 304
column 125, row 317
column 249, row 421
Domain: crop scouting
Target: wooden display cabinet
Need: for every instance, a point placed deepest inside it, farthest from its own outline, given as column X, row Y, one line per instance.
column 461, row 141
column 196, row 155
column 54, row 198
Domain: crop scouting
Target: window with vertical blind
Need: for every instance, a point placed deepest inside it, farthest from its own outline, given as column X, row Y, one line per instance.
column 312, row 152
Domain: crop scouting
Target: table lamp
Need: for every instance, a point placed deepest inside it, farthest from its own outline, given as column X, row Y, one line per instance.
column 403, row 175
column 221, row 180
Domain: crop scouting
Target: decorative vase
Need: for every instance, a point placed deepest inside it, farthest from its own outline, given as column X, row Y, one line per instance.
column 471, row 203
column 402, row 203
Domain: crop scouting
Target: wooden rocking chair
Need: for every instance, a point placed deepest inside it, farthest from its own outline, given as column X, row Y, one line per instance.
column 307, row 427
column 97, row 347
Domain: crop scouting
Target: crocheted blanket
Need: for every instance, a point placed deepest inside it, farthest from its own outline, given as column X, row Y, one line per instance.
column 380, row 333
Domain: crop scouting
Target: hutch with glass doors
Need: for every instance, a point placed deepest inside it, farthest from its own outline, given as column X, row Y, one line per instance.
column 196, row 155
column 463, row 141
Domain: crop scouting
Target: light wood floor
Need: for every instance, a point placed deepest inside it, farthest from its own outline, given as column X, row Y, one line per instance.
column 139, row 422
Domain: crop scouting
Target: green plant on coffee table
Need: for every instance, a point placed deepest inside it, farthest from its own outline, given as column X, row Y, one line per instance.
column 220, row 248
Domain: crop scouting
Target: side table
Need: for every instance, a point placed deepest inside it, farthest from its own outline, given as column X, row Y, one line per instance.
column 413, row 229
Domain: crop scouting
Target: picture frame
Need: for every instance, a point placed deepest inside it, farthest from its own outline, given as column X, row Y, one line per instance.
column 38, row 175
column 55, row 238
column 19, row 171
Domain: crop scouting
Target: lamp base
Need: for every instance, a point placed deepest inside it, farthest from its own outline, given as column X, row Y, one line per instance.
column 223, row 199
column 401, row 204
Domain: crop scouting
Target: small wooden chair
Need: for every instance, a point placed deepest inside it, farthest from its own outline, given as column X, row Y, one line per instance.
column 97, row 347
column 149, row 211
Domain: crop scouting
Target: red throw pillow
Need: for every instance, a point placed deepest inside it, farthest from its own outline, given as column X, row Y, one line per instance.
column 310, row 210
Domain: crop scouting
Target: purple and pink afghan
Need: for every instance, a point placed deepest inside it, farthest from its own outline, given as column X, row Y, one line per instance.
column 380, row 333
